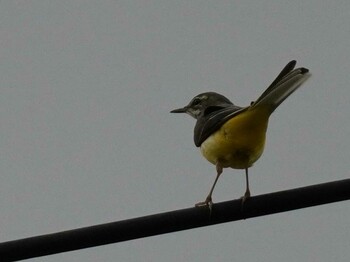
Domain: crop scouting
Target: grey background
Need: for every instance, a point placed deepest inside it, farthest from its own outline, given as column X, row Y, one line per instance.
column 86, row 136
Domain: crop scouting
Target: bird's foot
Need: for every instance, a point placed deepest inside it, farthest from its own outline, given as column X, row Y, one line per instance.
column 245, row 197
column 208, row 203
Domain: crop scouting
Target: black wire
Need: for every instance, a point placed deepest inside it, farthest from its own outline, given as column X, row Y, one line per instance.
column 174, row 221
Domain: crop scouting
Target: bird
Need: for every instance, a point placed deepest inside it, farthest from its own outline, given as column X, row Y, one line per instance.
column 230, row 136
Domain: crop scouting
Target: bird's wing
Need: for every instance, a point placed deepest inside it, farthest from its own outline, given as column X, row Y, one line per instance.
column 213, row 118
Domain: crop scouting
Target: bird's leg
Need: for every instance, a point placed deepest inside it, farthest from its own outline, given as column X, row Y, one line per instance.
column 247, row 191
column 208, row 201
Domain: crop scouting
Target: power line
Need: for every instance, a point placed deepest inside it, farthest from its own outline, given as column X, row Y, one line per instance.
column 174, row 221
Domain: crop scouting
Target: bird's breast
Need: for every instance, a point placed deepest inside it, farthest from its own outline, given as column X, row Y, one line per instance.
column 239, row 142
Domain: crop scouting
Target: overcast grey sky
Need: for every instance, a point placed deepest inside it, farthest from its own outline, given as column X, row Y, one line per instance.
column 86, row 136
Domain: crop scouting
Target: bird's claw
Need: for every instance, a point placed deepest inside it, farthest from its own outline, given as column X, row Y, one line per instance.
column 208, row 203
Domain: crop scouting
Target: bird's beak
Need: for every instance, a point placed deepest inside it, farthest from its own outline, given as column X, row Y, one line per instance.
column 179, row 110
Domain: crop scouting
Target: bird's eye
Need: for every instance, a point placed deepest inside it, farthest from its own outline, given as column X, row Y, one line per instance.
column 196, row 101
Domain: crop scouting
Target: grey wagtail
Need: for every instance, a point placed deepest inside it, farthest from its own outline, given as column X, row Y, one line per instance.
column 234, row 136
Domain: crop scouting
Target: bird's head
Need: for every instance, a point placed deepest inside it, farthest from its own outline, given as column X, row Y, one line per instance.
column 202, row 102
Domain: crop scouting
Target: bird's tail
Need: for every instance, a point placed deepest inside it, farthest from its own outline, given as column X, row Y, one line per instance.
column 284, row 85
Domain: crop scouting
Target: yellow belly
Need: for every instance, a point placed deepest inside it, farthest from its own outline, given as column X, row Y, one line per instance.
column 239, row 142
